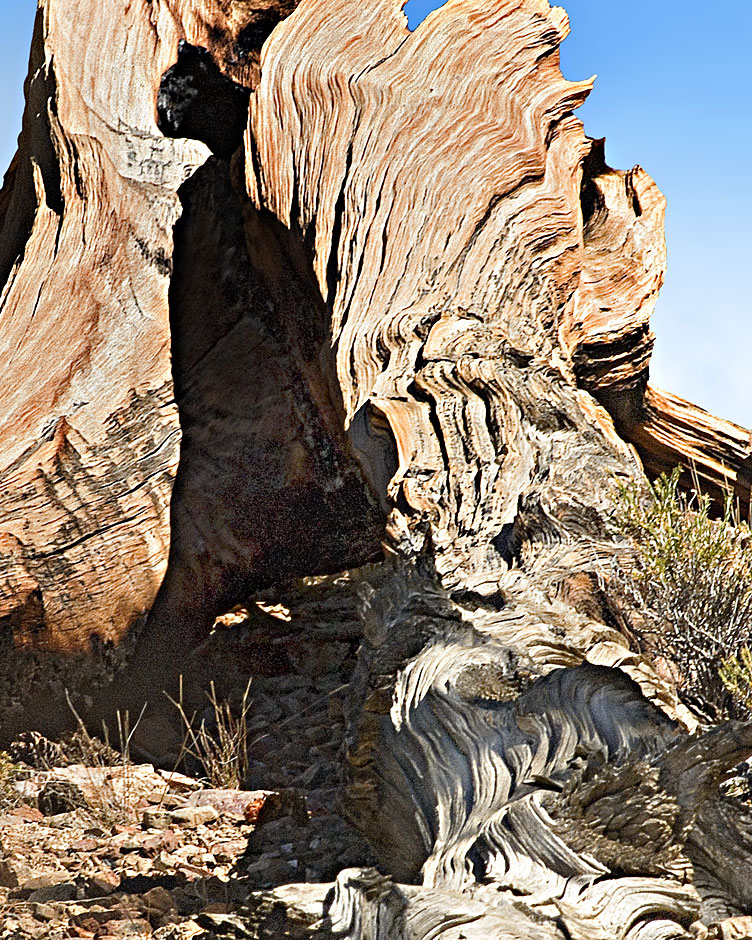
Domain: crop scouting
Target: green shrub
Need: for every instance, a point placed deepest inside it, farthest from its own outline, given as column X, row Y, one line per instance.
column 9, row 773
column 689, row 579
column 736, row 676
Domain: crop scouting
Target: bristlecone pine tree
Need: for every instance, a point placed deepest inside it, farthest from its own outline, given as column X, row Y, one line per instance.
column 288, row 289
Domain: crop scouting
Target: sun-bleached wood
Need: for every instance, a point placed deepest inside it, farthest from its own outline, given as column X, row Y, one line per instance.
column 489, row 281
column 670, row 430
column 116, row 242
column 412, row 305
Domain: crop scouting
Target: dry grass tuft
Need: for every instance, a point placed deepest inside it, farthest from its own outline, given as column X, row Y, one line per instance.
column 114, row 798
column 222, row 749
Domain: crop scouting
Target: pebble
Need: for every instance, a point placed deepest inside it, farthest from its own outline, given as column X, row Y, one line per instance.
column 46, row 912
column 102, row 882
column 157, row 902
column 126, row 842
column 43, row 880
column 227, row 851
column 192, row 816
column 64, row 891
column 13, row 873
column 132, row 927
column 236, row 802
column 156, row 819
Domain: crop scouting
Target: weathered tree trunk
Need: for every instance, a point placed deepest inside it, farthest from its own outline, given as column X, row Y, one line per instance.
column 411, row 307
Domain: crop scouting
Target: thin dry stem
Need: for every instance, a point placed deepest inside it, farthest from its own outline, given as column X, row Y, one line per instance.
column 112, row 804
column 223, row 752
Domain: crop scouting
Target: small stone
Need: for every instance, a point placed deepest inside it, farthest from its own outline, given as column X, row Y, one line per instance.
column 235, row 802
column 7, row 820
column 65, row 891
column 84, row 845
column 227, row 851
column 44, row 880
column 164, row 862
column 187, row 851
column 24, row 811
column 157, row 903
column 75, row 818
column 131, row 927
column 126, row 842
column 60, row 796
column 45, row 912
column 162, row 800
column 28, row 790
column 192, row 816
column 102, row 882
column 166, row 841
column 13, row 873
column 186, row 930
column 156, row 819
column 87, row 927
column 224, row 924
column 177, row 781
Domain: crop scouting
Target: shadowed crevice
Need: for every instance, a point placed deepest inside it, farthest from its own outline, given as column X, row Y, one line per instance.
column 268, row 488
column 196, row 100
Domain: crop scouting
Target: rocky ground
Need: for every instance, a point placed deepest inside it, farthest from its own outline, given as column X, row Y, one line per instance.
column 94, row 846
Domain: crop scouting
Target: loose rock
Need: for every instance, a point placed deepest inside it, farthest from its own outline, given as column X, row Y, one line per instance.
column 193, row 815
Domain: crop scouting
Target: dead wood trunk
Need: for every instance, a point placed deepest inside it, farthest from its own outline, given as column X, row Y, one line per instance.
column 412, row 307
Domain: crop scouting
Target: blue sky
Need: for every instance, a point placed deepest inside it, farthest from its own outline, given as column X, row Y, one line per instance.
column 673, row 95
column 17, row 17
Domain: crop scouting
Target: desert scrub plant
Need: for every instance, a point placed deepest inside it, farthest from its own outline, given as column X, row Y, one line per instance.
column 689, row 579
column 220, row 746
column 736, row 675
column 10, row 772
